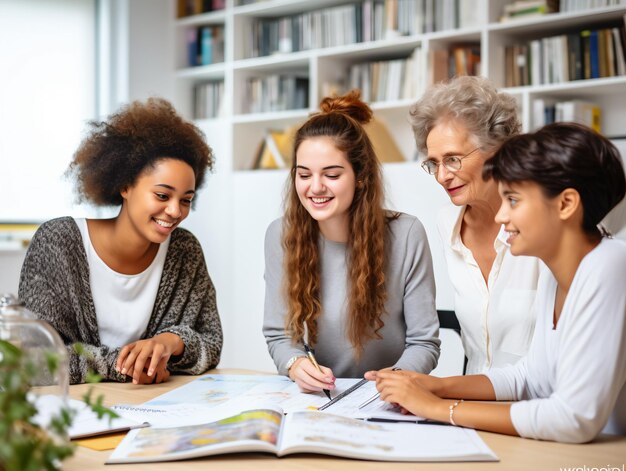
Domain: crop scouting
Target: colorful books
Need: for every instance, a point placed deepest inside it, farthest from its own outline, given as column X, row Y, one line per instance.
column 205, row 45
column 546, row 111
column 270, row 431
column 576, row 55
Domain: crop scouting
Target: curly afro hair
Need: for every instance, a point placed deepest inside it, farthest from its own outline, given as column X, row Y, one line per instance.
column 118, row 150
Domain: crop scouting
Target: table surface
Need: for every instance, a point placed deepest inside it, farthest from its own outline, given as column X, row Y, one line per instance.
column 514, row 452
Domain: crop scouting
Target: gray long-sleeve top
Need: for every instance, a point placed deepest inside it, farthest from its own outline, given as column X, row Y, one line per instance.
column 54, row 284
column 410, row 335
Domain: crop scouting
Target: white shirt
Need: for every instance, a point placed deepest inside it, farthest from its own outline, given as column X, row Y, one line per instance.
column 123, row 303
column 496, row 317
column 574, row 376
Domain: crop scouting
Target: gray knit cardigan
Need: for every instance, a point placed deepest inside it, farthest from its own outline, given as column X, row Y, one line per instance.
column 54, row 284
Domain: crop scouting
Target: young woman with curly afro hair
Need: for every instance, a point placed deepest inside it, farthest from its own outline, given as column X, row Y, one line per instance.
column 133, row 289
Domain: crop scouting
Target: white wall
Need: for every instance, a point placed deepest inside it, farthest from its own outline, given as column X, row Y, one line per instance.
column 233, row 209
column 47, row 93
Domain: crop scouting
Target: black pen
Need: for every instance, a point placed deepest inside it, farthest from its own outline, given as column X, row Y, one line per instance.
column 311, row 357
column 399, row 421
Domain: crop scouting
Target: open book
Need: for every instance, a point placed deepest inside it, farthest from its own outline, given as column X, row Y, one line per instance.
column 269, row 430
column 85, row 422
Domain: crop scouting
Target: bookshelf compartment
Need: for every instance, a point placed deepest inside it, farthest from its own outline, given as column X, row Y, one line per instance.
column 608, row 94
column 245, row 151
column 270, row 90
column 572, row 53
column 382, row 74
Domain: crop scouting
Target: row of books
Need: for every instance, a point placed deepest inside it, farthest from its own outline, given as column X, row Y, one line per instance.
column 528, row 8
column 521, row 9
column 208, row 99
column 444, row 64
column 388, row 80
column 546, row 111
column 576, row 5
column 406, row 78
column 277, row 92
column 205, row 45
column 369, row 20
column 197, row 7
column 575, row 56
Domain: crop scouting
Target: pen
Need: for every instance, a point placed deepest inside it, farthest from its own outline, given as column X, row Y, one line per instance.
column 397, row 421
column 376, row 396
column 311, row 357
column 370, row 400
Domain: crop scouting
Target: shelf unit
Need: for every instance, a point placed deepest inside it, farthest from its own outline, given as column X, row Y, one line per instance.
column 250, row 199
column 330, row 64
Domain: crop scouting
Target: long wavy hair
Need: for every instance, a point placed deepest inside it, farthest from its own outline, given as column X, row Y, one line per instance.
column 342, row 119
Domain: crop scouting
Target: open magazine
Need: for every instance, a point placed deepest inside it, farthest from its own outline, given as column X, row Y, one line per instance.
column 85, row 422
column 269, row 430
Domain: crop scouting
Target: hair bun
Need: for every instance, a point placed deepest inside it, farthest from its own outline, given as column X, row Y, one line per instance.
column 349, row 104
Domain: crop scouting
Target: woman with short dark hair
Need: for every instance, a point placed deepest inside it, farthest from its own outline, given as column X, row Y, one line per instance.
column 556, row 185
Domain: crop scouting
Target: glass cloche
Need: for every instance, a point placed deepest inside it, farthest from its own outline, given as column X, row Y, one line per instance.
column 44, row 354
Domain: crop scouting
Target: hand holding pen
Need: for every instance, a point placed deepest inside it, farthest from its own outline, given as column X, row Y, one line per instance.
column 311, row 357
column 310, row 376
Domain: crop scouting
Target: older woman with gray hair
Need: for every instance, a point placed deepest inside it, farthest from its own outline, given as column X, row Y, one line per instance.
column 458, row 125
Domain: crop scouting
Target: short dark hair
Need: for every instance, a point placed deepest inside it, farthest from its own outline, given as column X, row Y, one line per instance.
column 560, row 156
column 118, row 150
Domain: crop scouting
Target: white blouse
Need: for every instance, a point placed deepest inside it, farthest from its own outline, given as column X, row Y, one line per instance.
column 123, row 303
column 496, row 317
column 574, row 376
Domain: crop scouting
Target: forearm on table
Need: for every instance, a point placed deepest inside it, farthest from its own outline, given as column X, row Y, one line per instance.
column 490, row 417
column 475, row 387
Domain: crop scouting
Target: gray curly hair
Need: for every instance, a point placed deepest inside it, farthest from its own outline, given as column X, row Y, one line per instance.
column 489, row 116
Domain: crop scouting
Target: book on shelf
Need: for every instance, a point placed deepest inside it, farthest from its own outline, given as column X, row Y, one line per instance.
column 384, row 144
column 275, row 149
column 547, row 111
column 462, row 59
column 268, row 430
column 386, row 80
column 197, row 7
column 566, row 6
column 208, row 99
column 205, row 45
column 369, row 20
column 276, row 92
column 575, row 55
column 523, row 9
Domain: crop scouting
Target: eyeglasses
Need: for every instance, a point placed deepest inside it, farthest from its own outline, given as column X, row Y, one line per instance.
column 452, row 163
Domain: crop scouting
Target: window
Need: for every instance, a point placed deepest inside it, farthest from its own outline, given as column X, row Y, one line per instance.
column 47, row 96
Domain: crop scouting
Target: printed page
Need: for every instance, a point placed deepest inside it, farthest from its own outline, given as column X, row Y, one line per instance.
column 289, row 397
column 357, row 405
column 255, row 430
column 234, row 393
column 319, row 432
column 85, row 422
column 175, row 415
column 212, row 390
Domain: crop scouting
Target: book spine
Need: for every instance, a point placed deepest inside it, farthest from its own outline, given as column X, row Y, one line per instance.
column 594, row 54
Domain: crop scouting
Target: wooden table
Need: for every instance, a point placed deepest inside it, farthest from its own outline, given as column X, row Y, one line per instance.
column 514, row 453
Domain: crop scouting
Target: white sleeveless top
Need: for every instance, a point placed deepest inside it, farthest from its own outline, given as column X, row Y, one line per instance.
column 123, row 303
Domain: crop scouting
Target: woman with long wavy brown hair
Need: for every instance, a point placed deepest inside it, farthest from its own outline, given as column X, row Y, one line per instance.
column 352, row 279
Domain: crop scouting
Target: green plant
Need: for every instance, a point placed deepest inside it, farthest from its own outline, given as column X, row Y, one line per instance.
column 24, row 445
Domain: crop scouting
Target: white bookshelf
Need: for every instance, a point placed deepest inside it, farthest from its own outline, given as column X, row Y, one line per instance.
column 250, row 199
